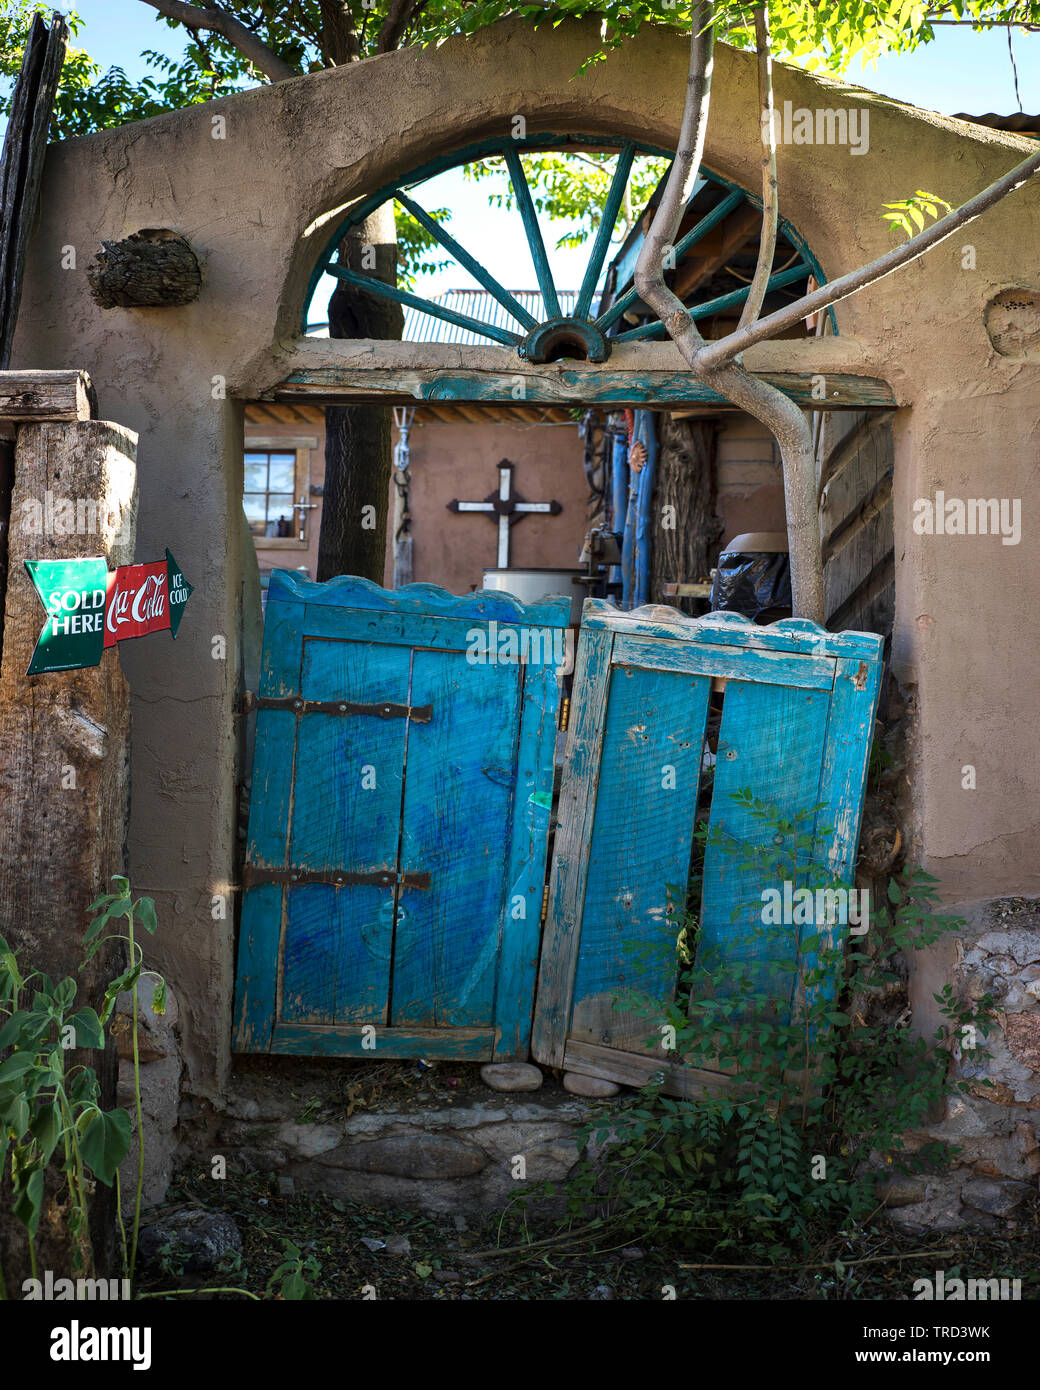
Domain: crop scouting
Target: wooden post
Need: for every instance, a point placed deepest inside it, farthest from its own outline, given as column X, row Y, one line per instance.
column 21, row 164
column 64, row 766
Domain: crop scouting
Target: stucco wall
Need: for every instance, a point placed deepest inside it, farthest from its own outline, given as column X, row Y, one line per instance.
column 966, row 625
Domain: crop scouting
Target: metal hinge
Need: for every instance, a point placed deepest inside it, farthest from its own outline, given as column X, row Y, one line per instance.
column 545, row 904
column 296, row 704
column 565, row 714
column 253, row 875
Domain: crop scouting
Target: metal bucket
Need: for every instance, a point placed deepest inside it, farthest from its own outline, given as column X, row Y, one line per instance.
column 531, row 585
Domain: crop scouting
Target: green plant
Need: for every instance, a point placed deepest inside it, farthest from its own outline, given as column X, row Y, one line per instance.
column 818, row 1082
column 109, row 908
column 294, row 1275
column 50, row 1114
column 47, row 1108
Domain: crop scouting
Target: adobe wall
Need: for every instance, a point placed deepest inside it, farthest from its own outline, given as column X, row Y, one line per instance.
column 967, row 616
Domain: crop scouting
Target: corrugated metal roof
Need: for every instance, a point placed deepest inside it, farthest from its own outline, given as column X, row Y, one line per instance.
column 1019, row 122
column 478, row 304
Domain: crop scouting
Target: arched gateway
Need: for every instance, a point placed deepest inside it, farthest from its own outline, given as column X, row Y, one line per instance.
column 259, row 183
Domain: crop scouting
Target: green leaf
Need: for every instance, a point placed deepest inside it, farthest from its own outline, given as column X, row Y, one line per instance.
column 88, row 1029
column 28, row 1200
column 46, row 1129
column 144, row 912
column 105, row 1143
column 16, row 1065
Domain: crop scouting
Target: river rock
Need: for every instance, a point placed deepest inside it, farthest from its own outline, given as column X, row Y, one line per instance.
column 511, row 1076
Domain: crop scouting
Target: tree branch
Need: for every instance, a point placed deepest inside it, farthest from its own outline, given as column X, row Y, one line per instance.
column 767, row 240
column 779, row 414
column 725, row 349
column 339, row 38
column 394, row 25
column 252, row 48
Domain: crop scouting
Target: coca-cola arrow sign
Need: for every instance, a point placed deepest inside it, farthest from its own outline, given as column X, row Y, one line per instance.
column 89, row 609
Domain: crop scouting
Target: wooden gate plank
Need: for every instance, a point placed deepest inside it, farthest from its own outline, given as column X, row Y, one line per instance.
column 639, row 856
column 270, row 808
column 570, row 862
column 525, row 873
column 457, row 795
column 349, row 773
column 771, row 741
column 776, row 668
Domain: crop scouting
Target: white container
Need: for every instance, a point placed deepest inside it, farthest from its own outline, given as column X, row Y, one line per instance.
column 531, row 585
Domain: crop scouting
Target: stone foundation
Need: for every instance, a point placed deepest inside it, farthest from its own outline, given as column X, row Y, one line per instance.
column 448, row 1156
column 995, row 1122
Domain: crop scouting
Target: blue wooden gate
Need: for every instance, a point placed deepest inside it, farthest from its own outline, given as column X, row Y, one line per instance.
column 402, row 781
column 796, row 723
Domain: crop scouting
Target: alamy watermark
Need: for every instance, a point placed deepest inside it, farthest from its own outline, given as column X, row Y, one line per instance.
column 62, row 1289
column 70, row 516
column 791, row 906
column 972, row 516
column 799, row 125
column 947, row 1290
column 514, row 644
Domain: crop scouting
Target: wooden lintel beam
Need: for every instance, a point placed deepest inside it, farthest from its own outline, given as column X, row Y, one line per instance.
column 34, row 397
column 562, row 387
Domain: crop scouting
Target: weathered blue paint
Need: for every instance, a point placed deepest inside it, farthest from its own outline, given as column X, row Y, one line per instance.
column 605, row 230
column 565, row 386
column 463, row 797
column 797, row 719
column 618, row 481
column 470, row 263
column 529, row 216
column 373, row 286
column 646, row 432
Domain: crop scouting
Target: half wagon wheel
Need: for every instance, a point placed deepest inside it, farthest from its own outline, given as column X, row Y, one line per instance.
column 568, row 326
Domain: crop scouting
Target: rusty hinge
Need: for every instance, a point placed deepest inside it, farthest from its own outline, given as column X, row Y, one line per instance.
column 565, row 714
column 545, row 904
column 296, row 704
column 253, row 875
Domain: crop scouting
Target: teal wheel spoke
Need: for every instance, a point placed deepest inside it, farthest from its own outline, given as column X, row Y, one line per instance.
column 605, row 231
column 464, row 259
column 714, row 306
column 707, row 223
column 426, row 306
column 525, row 203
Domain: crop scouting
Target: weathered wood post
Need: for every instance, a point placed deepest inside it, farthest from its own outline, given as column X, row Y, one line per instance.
column 64, row 736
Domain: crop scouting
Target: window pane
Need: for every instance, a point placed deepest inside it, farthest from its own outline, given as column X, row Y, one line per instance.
column 283, row 472
column 256, row 473
column 254, row 505
column 280, row 505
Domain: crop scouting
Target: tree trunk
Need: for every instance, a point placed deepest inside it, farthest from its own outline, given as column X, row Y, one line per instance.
column 686, row 541
column 358, row 445
column 64, row 768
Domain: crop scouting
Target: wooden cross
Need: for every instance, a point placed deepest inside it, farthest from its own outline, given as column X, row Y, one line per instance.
column 506, row 507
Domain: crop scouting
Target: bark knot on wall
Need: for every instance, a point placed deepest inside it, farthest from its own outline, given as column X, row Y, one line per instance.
column 151, row 268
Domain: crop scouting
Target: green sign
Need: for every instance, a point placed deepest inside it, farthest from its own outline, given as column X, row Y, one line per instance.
column 74, row 593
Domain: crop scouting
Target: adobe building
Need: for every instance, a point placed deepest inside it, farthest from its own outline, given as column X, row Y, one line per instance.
column 933, row 372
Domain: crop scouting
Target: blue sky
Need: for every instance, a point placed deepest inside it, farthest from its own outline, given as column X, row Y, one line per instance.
column 959, row 71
